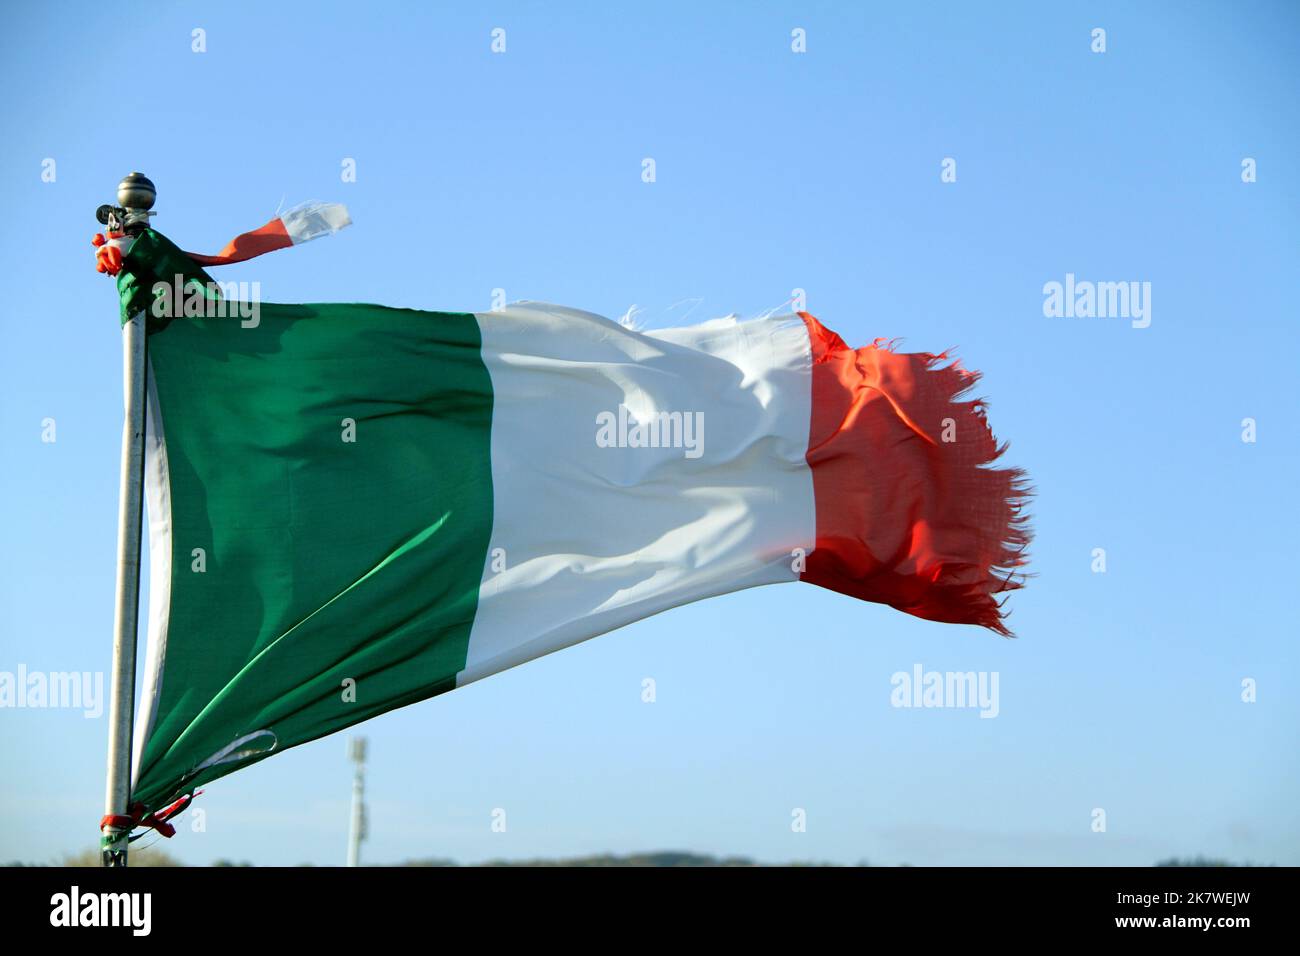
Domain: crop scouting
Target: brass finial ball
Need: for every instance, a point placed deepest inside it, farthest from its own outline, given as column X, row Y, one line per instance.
column 136, row 192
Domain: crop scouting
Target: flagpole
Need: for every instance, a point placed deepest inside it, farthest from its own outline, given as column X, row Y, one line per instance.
column 136, row 195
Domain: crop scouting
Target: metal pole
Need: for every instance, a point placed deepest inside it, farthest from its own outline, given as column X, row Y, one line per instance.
column 357, row 827
column 121, row 700
column 135, row 194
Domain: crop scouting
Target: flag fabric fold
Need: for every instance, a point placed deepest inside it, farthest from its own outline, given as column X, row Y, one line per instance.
column 355, row 507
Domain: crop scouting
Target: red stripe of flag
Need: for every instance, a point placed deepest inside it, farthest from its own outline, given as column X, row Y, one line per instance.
column 909, row 513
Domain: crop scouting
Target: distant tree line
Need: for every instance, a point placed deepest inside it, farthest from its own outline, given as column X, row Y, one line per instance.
column 152, row 856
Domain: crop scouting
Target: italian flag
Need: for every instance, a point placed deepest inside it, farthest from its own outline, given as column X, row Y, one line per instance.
column 398, row 502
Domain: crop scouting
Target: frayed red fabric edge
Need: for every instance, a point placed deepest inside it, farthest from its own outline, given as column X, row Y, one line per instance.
column 910, row 511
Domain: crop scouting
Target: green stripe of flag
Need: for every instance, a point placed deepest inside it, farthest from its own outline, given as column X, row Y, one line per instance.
column 294, row 520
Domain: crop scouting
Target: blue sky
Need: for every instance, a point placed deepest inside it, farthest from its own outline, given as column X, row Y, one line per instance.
column 775, row 171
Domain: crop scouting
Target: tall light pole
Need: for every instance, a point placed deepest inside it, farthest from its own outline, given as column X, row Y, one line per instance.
column 357, row 827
